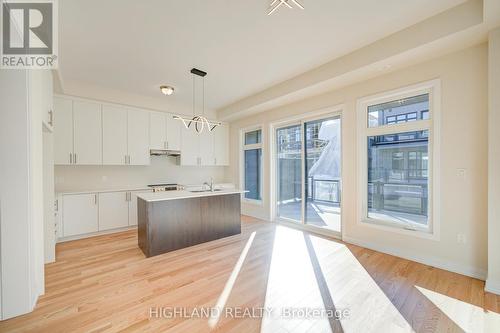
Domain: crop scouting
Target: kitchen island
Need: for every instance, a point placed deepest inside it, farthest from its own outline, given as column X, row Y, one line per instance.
column 173, row 220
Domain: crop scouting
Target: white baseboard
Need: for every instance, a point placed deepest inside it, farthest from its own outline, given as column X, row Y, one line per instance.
column 257, row 215
column 92, row 234
column 430, row 261
column 492, row 286
column 311, row 229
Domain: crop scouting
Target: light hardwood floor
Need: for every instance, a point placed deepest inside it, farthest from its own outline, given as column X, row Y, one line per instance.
column 106, row 284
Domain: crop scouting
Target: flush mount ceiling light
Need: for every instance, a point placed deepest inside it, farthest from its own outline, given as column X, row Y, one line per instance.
column 199, row 121
column 275, row 4
column 167, row 90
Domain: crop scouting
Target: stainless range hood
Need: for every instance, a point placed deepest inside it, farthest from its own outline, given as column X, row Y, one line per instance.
column 164, row 152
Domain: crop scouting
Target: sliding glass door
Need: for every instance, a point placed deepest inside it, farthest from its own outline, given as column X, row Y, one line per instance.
column 308, row 173
column 289, row 172
column 322, row 173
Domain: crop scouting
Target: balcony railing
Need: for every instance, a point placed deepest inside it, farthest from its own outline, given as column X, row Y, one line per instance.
column 327, row 190
column 397, row 197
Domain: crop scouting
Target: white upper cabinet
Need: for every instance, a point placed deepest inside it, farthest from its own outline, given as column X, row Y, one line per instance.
column 63, row 131
column 125, row 138
column 205, row 148
column 114, row 135
column 92, row 133
column 173, row 133
column 113, row 210
column 87, row 133
column 157, row 131
column 165, row 131
column 190, row 147
column 207, row 151
column 138, row 137
column 48, row 98
column 41, row 81
column 221, row 145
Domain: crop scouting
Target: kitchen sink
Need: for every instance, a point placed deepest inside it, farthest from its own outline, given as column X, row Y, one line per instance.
column 199, row 191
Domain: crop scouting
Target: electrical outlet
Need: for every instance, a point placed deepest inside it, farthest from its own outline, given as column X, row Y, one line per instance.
column 461, row 174
column 461, row 238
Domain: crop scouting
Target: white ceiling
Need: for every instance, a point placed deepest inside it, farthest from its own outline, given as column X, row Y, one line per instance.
column 134, row 46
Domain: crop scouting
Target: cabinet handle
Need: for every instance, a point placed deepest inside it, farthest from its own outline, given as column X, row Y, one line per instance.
column 51, row 118
column 129, row 159
column 70, row 158
column 95, row 199
column 74, row 158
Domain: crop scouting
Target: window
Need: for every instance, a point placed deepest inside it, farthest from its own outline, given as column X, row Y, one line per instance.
column 396, row 163
column 253, row 137
column 252, row 164
column 393, row 193
column 399, row 111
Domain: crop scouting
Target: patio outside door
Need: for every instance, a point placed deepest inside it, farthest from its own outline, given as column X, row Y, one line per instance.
column 308, row 173
column 289, row 172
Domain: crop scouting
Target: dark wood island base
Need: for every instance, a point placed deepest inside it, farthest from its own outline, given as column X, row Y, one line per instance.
column 170, row 225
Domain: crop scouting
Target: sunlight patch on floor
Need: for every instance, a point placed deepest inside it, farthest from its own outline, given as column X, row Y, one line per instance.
column 353, row 288
column 469, row 317
column 221, row 302
column 292, row 283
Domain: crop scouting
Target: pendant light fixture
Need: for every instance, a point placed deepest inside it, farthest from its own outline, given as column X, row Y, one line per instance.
column 199, row 121
column 275, row 4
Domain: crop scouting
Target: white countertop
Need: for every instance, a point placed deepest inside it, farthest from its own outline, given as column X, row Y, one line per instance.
column 128, row 189
column 173, row 195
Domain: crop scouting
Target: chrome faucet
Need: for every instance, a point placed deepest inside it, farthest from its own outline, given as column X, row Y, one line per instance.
column 211, row 185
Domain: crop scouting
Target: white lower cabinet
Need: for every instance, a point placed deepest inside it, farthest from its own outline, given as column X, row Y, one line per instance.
column 90, row 213
column 113, row 210
column 80, row 214
column 132, row 207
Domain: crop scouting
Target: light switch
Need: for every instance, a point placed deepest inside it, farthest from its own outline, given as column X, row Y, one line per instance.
column 461, row 174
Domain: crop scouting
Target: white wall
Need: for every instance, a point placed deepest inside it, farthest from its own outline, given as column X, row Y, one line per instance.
column 162, row 170
column 21, row 210
column 493, row 282
column 463, row 145
column 36, row 107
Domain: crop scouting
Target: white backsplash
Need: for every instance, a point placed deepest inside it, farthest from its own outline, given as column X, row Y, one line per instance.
column 162, row 170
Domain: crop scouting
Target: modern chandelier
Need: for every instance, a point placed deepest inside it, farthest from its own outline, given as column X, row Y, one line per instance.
column 199, row 121
column 275, row 4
